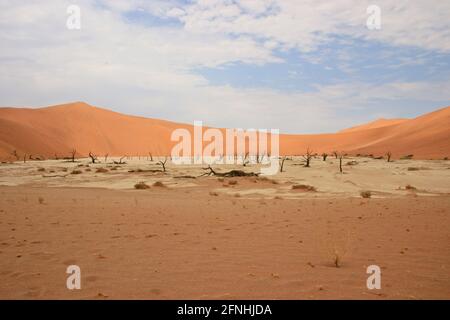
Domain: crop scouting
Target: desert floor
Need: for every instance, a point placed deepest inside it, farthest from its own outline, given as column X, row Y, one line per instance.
column 225, row 238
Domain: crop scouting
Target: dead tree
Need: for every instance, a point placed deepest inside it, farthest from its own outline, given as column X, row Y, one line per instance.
column 246, row 160
column 93, row 157
column 324, row 156
column 232, row 173
column 388, row 155
column 151, row 156
column 24, row 158
column 340, row 164
column 120, row 161
column 307, row 157
column 56, row 157
column 335, row 153
column 15, row 154
column 282, row 163
column 106, row 157
column 163, row 164
column 73, row 153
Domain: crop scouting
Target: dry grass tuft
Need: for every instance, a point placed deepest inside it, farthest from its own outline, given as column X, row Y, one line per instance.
column 304, row 187
column 337, row 259
column 159, row 184
column 366, row 194
column 141, row 186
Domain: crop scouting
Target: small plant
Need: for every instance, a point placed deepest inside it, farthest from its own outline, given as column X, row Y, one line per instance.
column 337, row 259
column 141, row 186
column 76, row 172
column 366, row 194
column 304, row 187
column 159, row 184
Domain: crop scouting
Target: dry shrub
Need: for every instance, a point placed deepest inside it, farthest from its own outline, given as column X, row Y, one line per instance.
column 212, row 193
column 237, row 195
column 232, row 182
column 304, row 187
column 413, row 169
column 141, row 186
column 366, row 194
column 41, row 200
column 267, row 180
column 76, row 172
column 88, row 170
column 41, row 169
column 159, row 184
column 410, row 187
column 101, row 170
column 407, row 157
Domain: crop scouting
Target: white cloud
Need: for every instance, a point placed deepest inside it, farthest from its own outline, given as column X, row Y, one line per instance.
column 145, row 70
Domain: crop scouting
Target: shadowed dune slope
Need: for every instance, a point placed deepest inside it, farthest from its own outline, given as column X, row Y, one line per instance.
column 59, row 129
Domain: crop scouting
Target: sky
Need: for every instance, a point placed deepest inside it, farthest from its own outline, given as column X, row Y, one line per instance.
column 309, row 66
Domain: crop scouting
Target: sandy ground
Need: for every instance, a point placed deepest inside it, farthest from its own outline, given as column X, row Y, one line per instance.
column 209, row 238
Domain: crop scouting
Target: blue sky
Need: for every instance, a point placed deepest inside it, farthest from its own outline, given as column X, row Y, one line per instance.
column 298, row 66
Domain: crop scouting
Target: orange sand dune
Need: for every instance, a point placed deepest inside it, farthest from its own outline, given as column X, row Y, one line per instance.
column 375, row 124
column 58, row 129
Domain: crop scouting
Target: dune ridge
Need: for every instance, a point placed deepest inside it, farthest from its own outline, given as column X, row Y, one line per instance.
column 54, row 131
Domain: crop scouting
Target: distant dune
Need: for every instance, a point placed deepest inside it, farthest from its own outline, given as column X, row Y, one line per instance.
column 58, row 129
